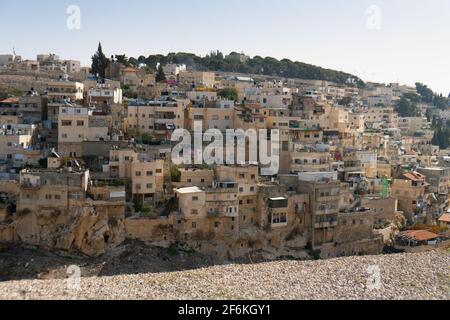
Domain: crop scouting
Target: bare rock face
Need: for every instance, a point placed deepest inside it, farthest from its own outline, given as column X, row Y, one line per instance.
column 392, row 230
column 85, row 230
column 6, row 233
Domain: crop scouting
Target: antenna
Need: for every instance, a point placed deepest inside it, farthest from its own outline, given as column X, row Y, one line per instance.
column 14, row 51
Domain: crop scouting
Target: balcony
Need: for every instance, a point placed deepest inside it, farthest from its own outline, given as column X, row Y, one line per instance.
column 222, row 212
column 213, row 214
column 278, row 203
column 30, row 185
column 114, row 163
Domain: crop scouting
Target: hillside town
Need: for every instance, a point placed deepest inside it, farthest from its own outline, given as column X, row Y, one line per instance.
column 86, row 160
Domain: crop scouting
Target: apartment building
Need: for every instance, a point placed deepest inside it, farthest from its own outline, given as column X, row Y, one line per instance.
column 15, row 139
column 306, row 160
column 381, row 115
column 211, row 117
column 195, row 177
column 200, row 79
column 409, row 189
column 77, row 124
column 201, row 95
column 438, row 179
column 173, row 70
column 147, row 178
column 211, row 213
column 324, row 194
column 49, row 190
column 61, row 93
column 155, row 117
column 103, row 95
column 409, row 125
column 6, row 59
column 31, row 107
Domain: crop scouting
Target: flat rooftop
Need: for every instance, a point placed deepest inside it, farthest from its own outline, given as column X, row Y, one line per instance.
column 189, row 190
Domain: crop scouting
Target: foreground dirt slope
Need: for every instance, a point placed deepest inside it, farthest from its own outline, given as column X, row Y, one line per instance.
column 402, row 276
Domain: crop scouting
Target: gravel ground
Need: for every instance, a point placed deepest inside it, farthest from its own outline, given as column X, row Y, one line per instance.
column 403, row 276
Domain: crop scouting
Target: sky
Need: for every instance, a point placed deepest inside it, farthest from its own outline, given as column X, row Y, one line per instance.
column 404, row 41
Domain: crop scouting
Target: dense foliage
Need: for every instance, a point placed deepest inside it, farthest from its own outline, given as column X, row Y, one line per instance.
column 229, row 94
column 441, row 136
column 216, row 61
column 407, row 105
column 99, row 63
column 428, row 96
column 160, row 76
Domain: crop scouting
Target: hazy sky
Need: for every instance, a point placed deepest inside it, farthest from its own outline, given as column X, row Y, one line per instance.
column 409, row 43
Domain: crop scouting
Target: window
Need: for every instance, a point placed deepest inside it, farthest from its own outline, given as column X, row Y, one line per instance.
column 48, row 196
column 216, row 224
column 149, row 173
column 66, row 123
column 279, row 218
column 57, row 197
column 80, row 123
column 158, row 171
column 195, row 198
column 194, row 225
column 137, row 173
column 64, row 135
column 149, row 185
column 138, row 186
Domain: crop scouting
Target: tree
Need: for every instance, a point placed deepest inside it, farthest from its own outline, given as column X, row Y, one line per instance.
column 441, row 135
column 407, row 106
column 345, row 101
column 147, row 138
column 229, row 94
column 99, row 63
column 175, row 174
column 269, row 66
column 160, row 76
column 440, row 102
column 425, row 93
column 121, row 58
column 133, row 62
